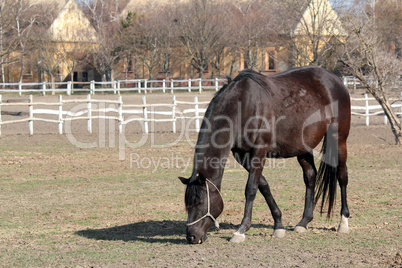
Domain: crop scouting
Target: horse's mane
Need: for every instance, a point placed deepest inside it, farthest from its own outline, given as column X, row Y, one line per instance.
column 194, row 192
column 247, row 73
column 260, row 79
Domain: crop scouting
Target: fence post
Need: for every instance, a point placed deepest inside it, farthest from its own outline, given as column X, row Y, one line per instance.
column 120, row 114
column 189, row 85
column 164, row 85
column 171, row 86
column 60, row 114
column 19, row 88
column 92, row 87
column 0, row 114
column 30, row 122
column 173, row 114
column 197, row 113
column 69, row 88
column 145, row 112
column 44, row 88
column 145, row 86
column 367, row 110
column 216, row 84
column 114, row 87
column 89, row 107
column 200, row 85
column 118, row 86
column 401, row 103
column 139, row 86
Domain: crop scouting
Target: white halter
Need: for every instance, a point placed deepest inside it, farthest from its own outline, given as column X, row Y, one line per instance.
column 209, row 206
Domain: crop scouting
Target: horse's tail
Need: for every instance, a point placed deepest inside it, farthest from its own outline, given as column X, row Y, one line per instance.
column 326, row 180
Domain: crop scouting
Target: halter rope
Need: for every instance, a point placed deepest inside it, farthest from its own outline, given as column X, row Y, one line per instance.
column 209, row 206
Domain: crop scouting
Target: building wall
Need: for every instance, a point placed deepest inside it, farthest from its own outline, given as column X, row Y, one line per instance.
column 71, row 29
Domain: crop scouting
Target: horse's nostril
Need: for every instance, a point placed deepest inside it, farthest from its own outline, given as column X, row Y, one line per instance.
column 191, row 239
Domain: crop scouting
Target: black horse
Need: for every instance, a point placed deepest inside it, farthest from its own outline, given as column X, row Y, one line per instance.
column 280, row 116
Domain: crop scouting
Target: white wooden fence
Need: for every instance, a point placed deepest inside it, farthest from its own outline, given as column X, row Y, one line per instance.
column 373, row 110
column 118, row 112
column 137, row 85
column 122, row 113
column 353, row 82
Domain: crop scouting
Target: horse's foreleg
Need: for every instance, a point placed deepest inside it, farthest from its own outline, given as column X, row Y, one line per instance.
column 309, row 174
column 263, row 187
column 256, row 166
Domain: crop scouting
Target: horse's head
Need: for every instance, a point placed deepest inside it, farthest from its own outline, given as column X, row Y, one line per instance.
column 204, row 204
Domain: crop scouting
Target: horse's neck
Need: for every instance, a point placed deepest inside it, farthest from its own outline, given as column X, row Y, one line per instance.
column 210, row 160
column 215, row 141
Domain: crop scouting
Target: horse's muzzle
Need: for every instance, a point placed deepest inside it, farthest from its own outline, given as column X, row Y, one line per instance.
column 191, row 239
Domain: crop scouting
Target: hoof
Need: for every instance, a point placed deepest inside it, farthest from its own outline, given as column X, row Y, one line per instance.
column 343, row 225
column 238, row 238
column 279, row 233
column 343, row 229
column 300, row 229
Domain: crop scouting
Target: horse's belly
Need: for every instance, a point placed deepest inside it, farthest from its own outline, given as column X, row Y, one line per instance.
column 294, row 138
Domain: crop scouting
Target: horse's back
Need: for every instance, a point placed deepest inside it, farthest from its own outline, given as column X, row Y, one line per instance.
column 300, row 103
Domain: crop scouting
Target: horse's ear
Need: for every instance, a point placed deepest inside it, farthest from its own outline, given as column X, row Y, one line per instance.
column 184, row 180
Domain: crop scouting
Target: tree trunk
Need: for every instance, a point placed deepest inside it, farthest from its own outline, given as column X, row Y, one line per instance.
column 1, row 54
column 22, row 66
column 392, row 117
column 201, row 72
column 72, row 78
column 150, row 72
column 53, row 84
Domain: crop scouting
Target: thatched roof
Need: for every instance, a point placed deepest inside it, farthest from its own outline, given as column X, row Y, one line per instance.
column 71, row 25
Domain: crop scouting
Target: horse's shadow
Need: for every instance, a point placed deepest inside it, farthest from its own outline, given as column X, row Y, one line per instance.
column 149, row 231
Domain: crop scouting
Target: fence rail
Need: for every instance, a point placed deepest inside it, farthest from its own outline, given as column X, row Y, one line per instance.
column 144, row 113
column 120, row 112
column 137, row 85
column 372, row 110
column 352, row 82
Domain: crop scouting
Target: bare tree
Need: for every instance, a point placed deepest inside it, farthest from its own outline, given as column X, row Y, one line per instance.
column 168, row 38
column 156, row 37
column 201, row 31
column 25, row 17
column 6, row 41
column 371, row 57
column 254, row 30
column 145, row 33
column 104, row 16
column 310, row 26
column 49, row 58
column 45, row 54
column 125, row 38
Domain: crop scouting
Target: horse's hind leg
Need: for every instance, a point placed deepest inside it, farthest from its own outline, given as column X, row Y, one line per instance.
column 342, row 176
column 306, row 161
column 279, row 230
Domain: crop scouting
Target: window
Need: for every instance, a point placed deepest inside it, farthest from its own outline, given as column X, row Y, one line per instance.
column 271, row 60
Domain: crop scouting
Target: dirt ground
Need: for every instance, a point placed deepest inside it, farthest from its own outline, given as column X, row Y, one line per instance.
column 95, row 200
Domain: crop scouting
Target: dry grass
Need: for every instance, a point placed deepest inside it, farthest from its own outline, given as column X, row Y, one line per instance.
column 66, row 206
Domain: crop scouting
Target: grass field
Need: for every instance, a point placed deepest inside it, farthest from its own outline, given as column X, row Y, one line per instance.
column 65, row 206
